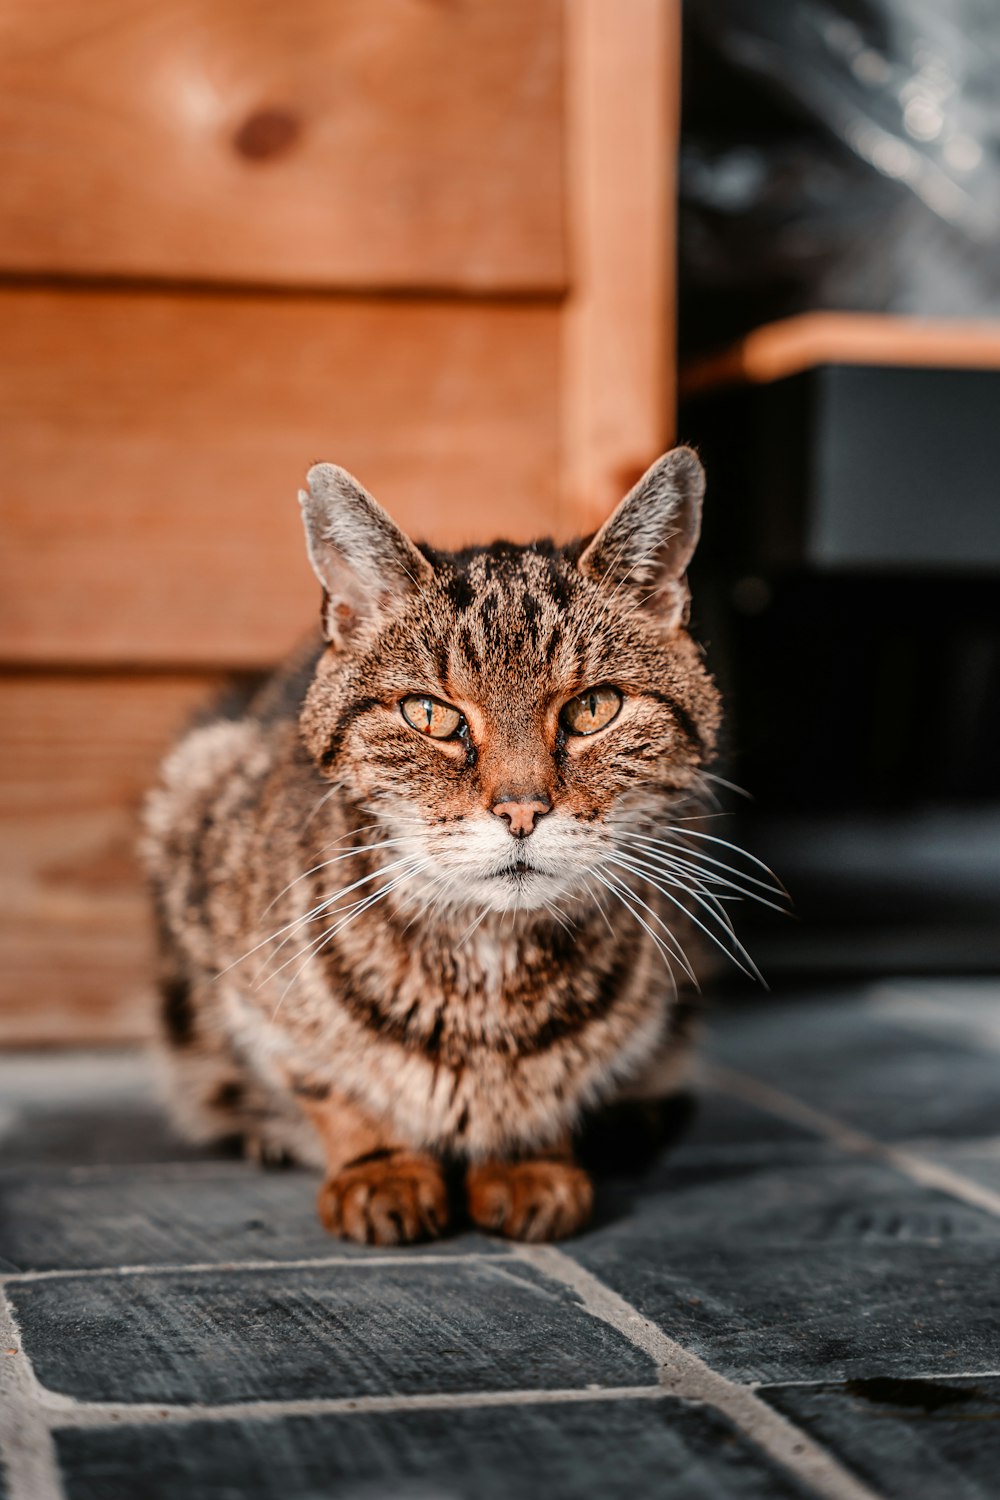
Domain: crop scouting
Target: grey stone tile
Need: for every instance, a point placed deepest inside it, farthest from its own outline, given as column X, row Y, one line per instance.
column 957, row 1010
column 56, row 1219
column 81, row 1107
column 925, row 1440
column 616, row 1450
column 341, row 1331
column 800, row 1272
column 726, row 1140
column 722, row 1123
column 843, row 1057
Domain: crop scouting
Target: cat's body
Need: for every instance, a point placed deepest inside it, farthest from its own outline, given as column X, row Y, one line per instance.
column 386, row 888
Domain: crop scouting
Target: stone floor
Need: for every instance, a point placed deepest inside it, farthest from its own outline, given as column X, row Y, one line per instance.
column 801, row 1299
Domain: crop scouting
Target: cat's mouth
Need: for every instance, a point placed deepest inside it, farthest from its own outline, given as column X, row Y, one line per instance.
column 520, row 867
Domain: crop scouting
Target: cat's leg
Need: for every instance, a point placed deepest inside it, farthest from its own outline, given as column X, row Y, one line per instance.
column 378, row 1191
column 543, row 1197
column 213, row 1095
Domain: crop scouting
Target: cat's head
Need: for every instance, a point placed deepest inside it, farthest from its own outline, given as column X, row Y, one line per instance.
column 507, row 712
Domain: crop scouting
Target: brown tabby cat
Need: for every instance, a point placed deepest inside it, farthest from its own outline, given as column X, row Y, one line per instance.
column 416, row 897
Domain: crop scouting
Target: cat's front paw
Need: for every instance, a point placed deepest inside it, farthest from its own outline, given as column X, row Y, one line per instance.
column 543, row 1199
column 388, row 1198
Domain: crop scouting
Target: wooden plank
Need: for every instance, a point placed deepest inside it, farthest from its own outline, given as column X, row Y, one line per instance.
column 623, row 86
column 154, row 444
column 792, row 345
column 76, row 755
column 350, row 143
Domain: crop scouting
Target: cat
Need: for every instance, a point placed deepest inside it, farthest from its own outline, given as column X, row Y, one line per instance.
column 418, row 900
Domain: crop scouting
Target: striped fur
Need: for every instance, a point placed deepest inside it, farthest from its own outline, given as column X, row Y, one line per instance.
column 470, row 1011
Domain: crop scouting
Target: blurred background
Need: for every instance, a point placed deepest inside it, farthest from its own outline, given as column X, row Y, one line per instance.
column 839, row 291
column 494, row 258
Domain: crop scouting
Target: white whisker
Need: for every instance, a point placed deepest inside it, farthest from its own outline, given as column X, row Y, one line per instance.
column 323, row 864
column 748, row 967
column 658, row 943
column 650, row 848
column 298, row 921
column 677, row 950
column 315, row 945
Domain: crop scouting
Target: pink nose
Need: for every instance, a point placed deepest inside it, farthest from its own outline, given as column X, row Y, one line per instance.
column 521, row 813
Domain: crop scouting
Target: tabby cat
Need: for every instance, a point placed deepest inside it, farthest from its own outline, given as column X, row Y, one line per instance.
column 421, row 899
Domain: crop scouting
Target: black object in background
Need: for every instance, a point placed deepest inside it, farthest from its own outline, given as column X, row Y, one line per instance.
column 846, row 156
column 837, row 155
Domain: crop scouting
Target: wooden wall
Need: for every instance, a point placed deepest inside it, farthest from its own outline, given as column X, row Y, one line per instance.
column 430, row 242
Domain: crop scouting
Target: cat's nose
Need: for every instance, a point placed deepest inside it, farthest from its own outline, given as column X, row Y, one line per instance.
column 521, row 810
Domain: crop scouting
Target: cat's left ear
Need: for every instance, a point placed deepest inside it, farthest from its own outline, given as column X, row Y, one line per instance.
column 644, row 547
column 366, row 564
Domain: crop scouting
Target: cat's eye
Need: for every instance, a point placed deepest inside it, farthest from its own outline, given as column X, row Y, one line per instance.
column 439, row 720
column 591, row 710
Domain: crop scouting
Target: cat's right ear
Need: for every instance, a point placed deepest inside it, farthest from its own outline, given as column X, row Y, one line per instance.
column 643, row 549
column 367, row 566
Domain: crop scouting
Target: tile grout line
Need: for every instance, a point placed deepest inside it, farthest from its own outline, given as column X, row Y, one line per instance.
column 684, row 1375
column 323, row 1262
column 65, row 1411
column 918, row 1168
column 27, row 1449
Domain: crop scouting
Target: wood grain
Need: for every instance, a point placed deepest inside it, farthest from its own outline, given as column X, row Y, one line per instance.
column 843, row 338
column 617, row 393
column 154, row 444
column 76, row 755
column 371, row 143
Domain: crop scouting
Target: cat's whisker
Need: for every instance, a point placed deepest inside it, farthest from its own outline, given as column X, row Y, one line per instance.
column 691, row 885
column 658, row 943
column 709, row 798
column 331, row 905
column 318, row 945
column 672, row 937
column 557, row 916
column 442, row 879
column 683, row 834
column 307, row 916
column 747, row 966
column 337, row 786
column 332, row 902
column 473, row 925
column 263, row 974
column 345, row 920
column 703, row 860
column 697, row 833
column 351, row 833
column 730, row 786
column 602, row 909
column 705, row 898
column 324, row 864
column 650, row 848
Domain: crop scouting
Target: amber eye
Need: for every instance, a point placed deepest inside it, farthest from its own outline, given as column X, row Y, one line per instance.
column 439, row 720
column 591, row 710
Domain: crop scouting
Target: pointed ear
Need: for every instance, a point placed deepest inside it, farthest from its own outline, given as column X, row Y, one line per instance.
column 643, row 549
column 367, row 566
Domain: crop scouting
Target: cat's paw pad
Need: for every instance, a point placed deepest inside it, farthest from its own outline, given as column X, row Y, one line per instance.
column 390, row 1198
column 529, row 1200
